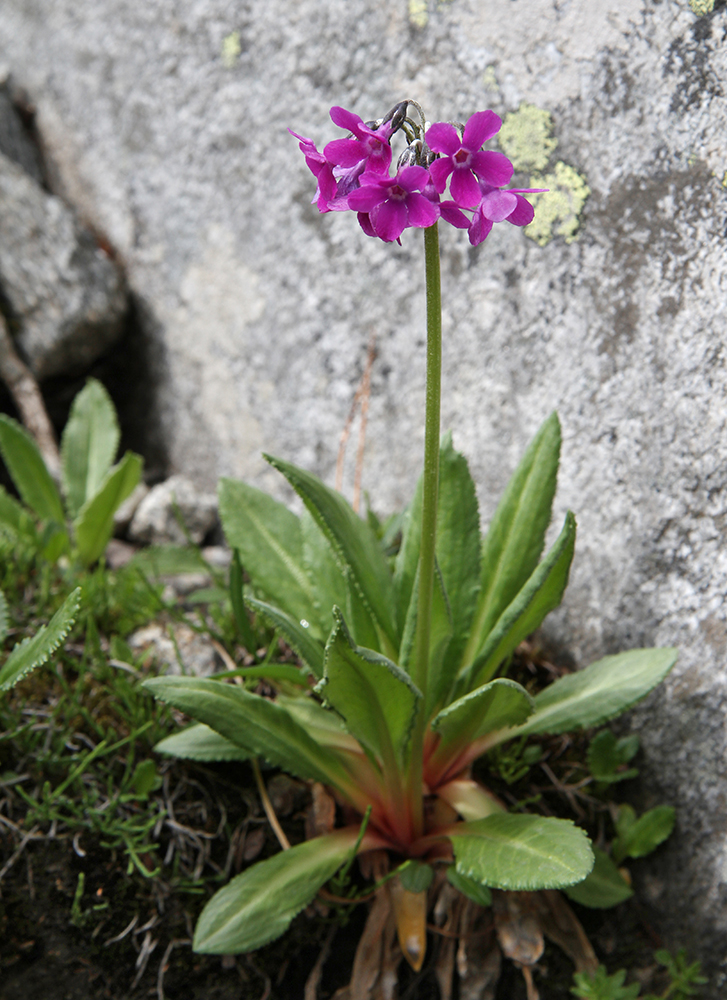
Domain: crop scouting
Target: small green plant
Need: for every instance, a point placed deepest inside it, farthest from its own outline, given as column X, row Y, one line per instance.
column 93, row 488
column 402, row 685
column 35, row 651
column 685, row 980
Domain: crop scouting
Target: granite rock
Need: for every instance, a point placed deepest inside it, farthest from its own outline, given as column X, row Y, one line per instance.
column 165, row 124
column 156, row 518
column 66, row 296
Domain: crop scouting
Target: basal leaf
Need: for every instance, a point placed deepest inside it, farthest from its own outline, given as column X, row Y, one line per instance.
column 642, row 836
column 354, row 543
column 258, row 905
column 88, row 445
column 470, row 799
column 522, row 852
column 35, row 651
column 27, row 468
column 475, row 891
column 295, row 633
column 268, row 537
column 255, row 724
column 375, row 697
column 440, row 677
column 493, row 706
column 199, row 742
column 95, row 522
column 603, row 888
column 516, row 535
column 457, row 549
column 601, row 691
column 168, row 560
column 323, row 724
column 14, row 517
column 541, row 594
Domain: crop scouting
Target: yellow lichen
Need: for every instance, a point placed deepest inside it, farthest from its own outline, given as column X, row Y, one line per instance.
column 489, row 79
column 702, row 6
column 231, row 49
column 526, row 137
column 418, row 13
column 557, row 212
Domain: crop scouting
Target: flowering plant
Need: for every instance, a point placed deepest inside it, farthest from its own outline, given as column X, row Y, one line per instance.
column 403, row 648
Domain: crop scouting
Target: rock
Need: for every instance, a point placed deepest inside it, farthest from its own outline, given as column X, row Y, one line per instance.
column 155, row 519
column 174, row 144
column 65, row 294
column 125, row 513
column 188, row 653
column 15, row 141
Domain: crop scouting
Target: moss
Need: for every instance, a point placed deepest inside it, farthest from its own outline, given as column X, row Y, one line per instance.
column 557, row 212
column 702, row 6
column 526, row 137
column 230, row 49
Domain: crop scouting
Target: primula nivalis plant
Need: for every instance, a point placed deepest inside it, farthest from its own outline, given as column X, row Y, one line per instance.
column 402, row 685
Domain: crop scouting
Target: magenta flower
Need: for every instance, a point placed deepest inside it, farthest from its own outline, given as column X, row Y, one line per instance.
column 392, row 204
column 465, row 159
column 369, row 149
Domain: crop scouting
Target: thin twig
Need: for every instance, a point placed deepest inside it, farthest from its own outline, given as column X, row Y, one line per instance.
column 28, row 399
column 31, row 835
column 314, row 979
column 268, row 807
column 224, row 655
column 163, row 964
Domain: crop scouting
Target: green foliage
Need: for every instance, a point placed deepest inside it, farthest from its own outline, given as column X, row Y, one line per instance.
column 685, row 977
column 640, row 836
column 32, row 652
column 604, row 886
column 469, row 887
column 94, row 490
column 607, row 757
column 327, row 582
column 601, row 986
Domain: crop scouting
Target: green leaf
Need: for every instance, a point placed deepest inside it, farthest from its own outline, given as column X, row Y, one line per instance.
column 145, row 778
column 354, row 543
column 606, row 754
column 168, row 560
column 199, row 742
column 15, row 518
column 27, row 468
column 268, row 537
column 603, row 888
column 475, row 891
column 415, row 876
column 457, row 549
column 258, row 905
column 542, row 592
column 375, row 697
column 296, row 634
column 601, row 986
column 257, row 725
column 440, row 678
column 4, row 618
column 94, row 524
column 323, row 724
column 523, row 852
column 88, row 445
column 493, row 706
column 639, row 837
column 237, row 599
column 516, row 535
column 36, row 650
column 596, row 694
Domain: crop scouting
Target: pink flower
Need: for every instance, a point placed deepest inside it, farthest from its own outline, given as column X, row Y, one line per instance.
column 392, row 204
column 465, row 160
column 368, row 150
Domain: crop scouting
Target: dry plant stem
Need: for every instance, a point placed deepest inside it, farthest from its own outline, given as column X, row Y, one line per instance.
column 28, row 399
column 268, row 807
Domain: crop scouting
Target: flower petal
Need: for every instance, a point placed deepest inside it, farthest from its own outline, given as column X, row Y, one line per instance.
column 367, row 197
column 344, row 152
column 439, row 171
column 389, row 220
column 451, row 214
column 498, row 205
column 346, row 119
column 481, row 126
column 422, row 212
column 443, row 138
column 465, row 189
column 480, row 229
column 523, row 214
column 492, row 168
column 412, row 178
column 365, row 222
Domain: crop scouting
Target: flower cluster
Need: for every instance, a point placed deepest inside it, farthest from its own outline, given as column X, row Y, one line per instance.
column 354, row 173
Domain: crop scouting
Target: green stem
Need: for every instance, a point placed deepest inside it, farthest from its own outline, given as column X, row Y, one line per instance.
column 429, row 510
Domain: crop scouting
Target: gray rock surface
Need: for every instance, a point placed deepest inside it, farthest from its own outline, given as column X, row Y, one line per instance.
column 165, row 125
column 15, row 140
column 156, row 519
column 66, row 295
